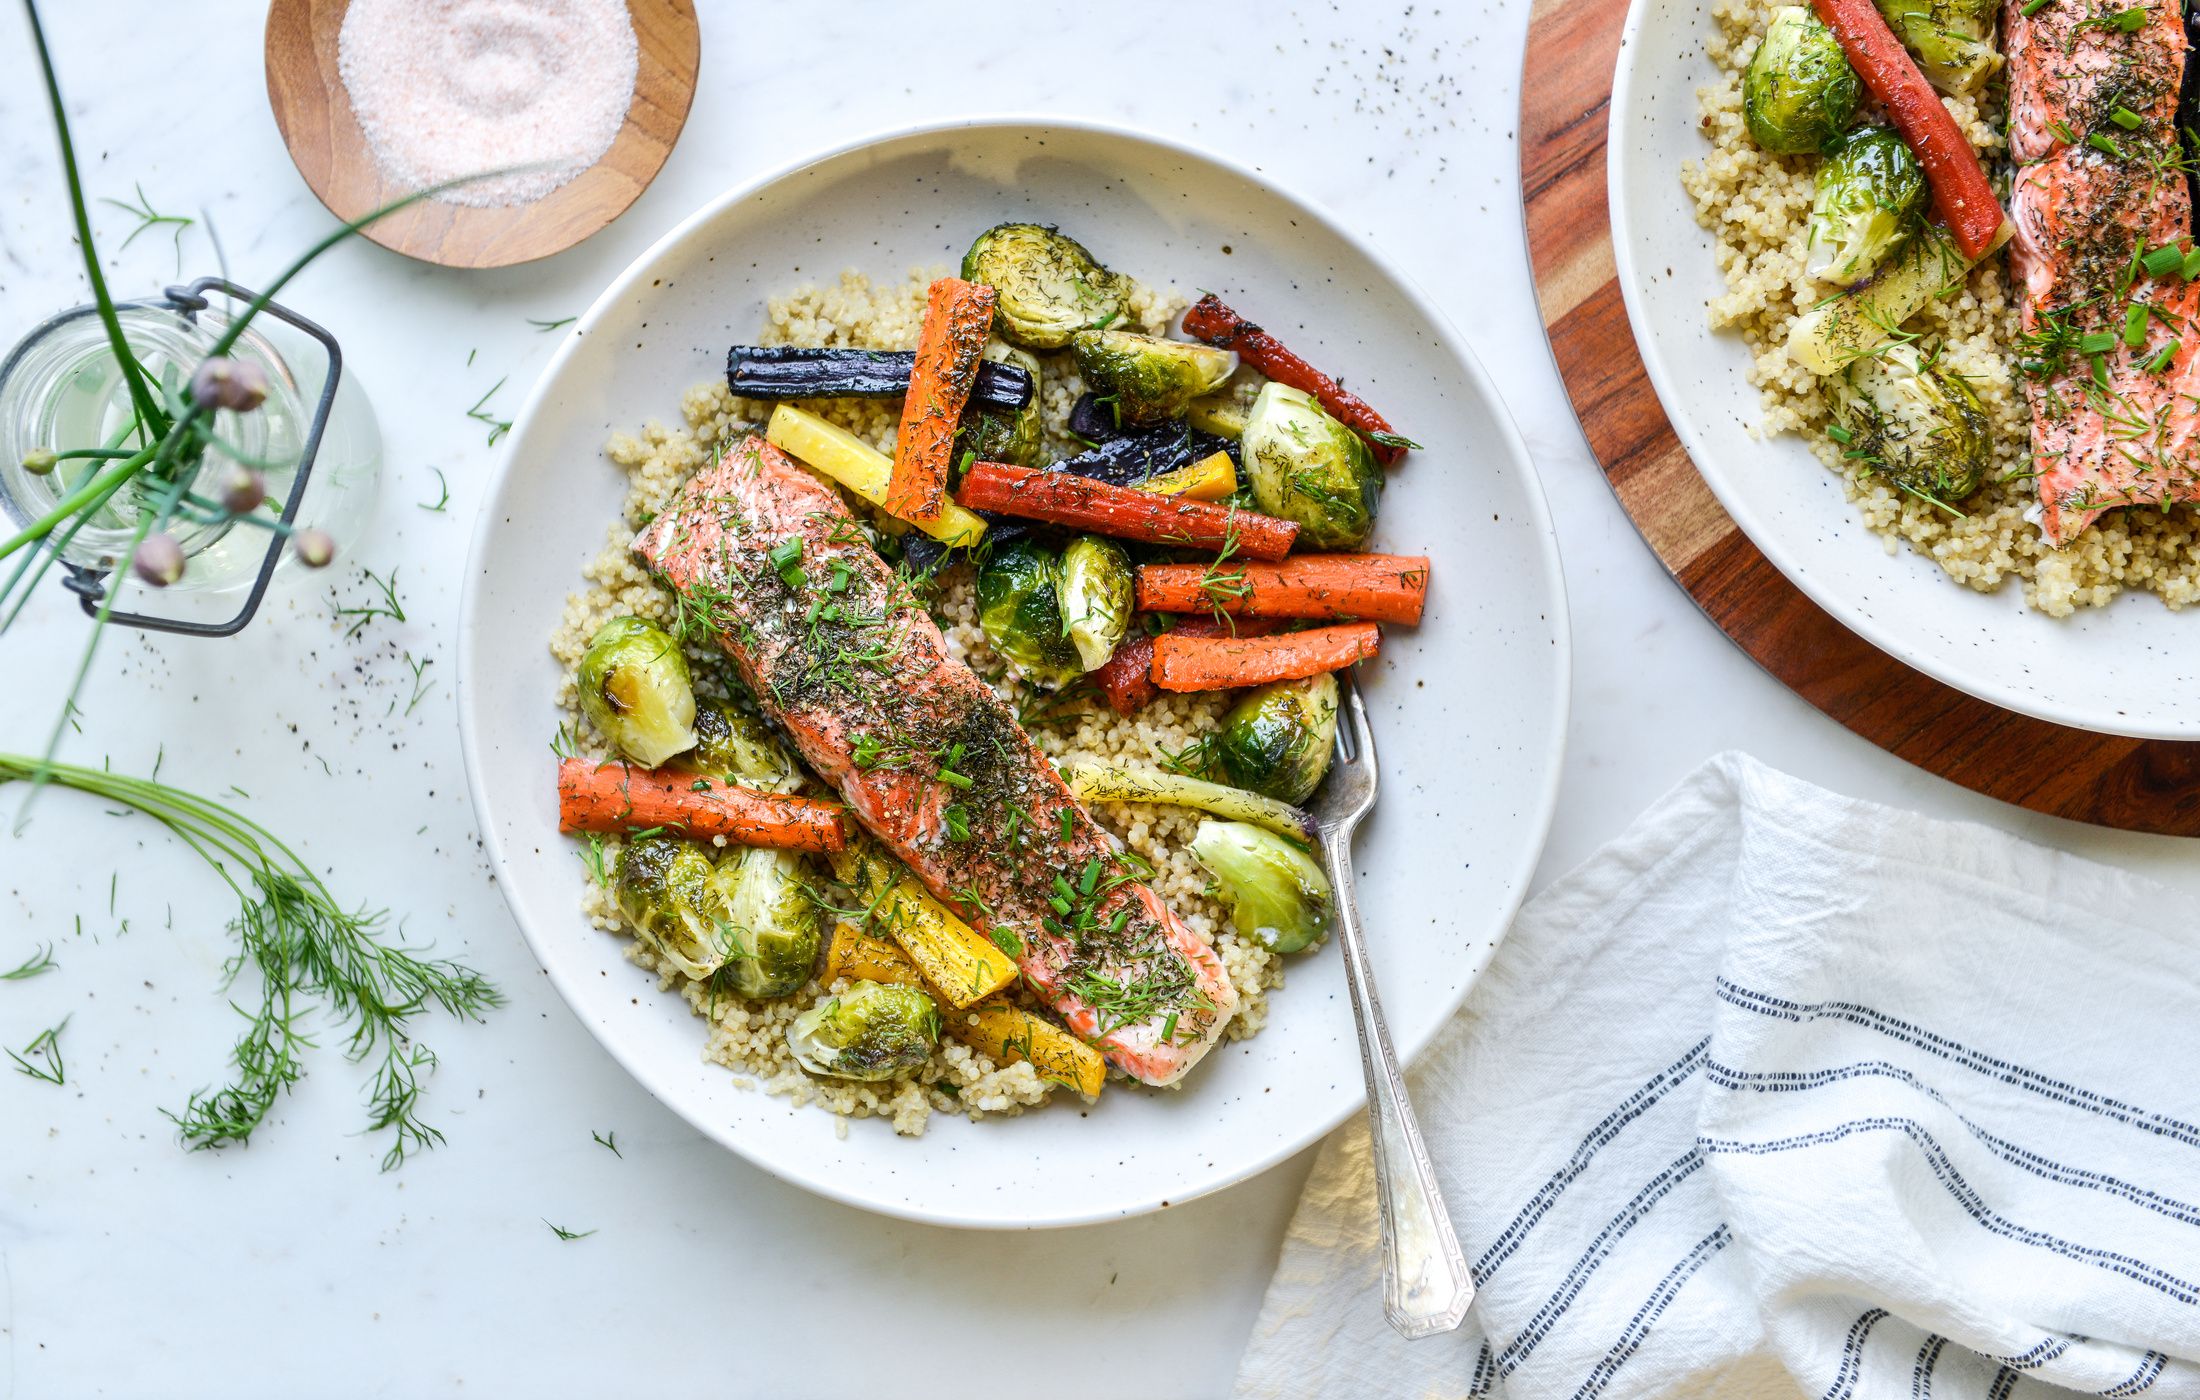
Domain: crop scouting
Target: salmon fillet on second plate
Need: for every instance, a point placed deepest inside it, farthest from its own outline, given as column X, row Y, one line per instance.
column 2111, row 359
column 841, row 654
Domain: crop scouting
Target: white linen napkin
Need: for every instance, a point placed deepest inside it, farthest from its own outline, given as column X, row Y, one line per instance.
column 1787, row 1093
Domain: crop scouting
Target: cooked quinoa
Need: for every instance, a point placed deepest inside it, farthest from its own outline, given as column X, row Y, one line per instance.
column 749, row 1037
column 1758, row 205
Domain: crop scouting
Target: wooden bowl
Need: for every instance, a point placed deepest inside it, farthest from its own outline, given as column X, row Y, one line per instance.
column 314, row 114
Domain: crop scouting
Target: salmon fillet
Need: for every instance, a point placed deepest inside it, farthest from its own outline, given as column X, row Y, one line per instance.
column 847, row 661
column 2092, row 119
column 2070, row 68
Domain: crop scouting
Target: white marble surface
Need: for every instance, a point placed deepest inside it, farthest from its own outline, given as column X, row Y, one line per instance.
column 128, row 1267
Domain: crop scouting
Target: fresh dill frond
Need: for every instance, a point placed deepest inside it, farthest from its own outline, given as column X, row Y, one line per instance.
column 385, row 605
column 442, row 500
column 610, row 1140
column 150, row 218
column 498, row 427
column 307, row 950
column 38, row 962
column 46, row 1049
column 564, row 1234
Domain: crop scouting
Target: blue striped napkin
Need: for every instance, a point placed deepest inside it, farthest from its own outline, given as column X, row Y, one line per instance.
column 1783, row 1093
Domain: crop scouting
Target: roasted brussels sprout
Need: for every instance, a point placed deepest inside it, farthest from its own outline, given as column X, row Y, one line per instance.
column 1277, row 740
column 1870, row 196
column 870, row 1031
column 1914, row 423
column 1840, row 328
column 634, row 688
column 1799, row 92
column 763, row 918
column 662, row 885
column 1306, row 466
column 1953, row 39
column 1226, row 411
column 1046, row 287
column 998, row 435
column 1020, row 610
column 1277, row 894
column 1151, row 379
column 740, row 748
column 1096, row 588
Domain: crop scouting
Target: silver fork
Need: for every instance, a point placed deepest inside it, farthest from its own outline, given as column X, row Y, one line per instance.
column 1426, row 1286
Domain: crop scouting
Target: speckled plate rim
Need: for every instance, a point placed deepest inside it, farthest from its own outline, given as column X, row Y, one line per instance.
column 2033, row 673
column 1510, row 446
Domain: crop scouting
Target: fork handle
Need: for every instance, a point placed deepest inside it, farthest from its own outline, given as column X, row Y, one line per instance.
column 1426, row 1286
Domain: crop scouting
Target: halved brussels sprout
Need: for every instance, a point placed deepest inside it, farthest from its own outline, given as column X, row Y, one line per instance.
column 1869, row 197
column 1799, row 91
column 737, row 746
column 1151, row 379
column 1227, row 410
column 634, row 688
column 1277, row 894
column 762, row 914
column 663, row 888
column 996, row 435
column 1096, row 589
column 1021, row 614
column 1953, row 39
column 1046, row 287
column 1306, row 466
column 1914, row 423
column 870, row 1031
column 1278, row 739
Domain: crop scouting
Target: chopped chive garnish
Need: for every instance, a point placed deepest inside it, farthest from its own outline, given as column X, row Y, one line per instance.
column 1839, row 433
column 2191, row 269
column 955, row 780
column 2163, row 261
column 2033, row 7
column 2098, row 343
column 2105, row 146
column 2100, row 371
column 2130, row 21
column 2135, row 326
column 2162, row 357
column 2126, row 118
column 786, row 560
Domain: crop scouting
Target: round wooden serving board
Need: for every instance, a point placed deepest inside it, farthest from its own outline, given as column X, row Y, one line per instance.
column 315, row 117
column 1566, row 89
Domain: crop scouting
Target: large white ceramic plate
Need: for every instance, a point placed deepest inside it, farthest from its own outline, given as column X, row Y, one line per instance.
column 2129, row 668
column 1470, row 709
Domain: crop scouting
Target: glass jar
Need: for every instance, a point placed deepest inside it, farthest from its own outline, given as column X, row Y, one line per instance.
column 61, row 388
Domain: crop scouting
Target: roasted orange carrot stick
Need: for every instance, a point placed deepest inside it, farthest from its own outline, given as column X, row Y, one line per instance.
column 1211, row 321
column 1217, row 663
column 1960, row 190
column 1363, row 587
column 1064, row 498
column 620, row 797
column 957, row 316
column 1127, row 679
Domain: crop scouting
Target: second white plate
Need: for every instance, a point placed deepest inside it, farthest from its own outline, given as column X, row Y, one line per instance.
column 2130, row 668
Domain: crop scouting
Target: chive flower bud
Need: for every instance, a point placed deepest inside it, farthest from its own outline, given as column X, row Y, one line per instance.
column 242, row 489
column 40, row 461
column 315, row 548
column 221, row 382
column 158, row 560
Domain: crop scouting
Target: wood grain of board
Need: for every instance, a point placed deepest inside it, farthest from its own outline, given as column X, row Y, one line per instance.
column 1566, row 87
column 315, row 117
